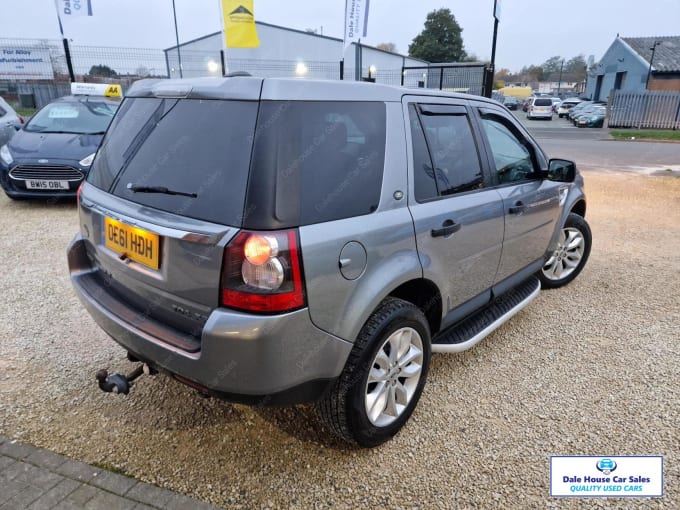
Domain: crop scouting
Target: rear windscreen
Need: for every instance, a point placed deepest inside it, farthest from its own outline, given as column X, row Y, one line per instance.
column 190, row 146
column 542, row 102
column 315, row 161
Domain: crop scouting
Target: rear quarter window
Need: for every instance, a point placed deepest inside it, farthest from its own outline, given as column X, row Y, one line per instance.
column 314, row 162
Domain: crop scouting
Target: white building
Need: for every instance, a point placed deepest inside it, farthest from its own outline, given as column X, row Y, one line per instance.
column 288, row 52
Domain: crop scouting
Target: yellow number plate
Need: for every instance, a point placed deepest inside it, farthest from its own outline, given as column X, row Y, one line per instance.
column 133, row 242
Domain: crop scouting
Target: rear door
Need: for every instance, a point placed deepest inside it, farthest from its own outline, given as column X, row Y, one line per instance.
column 458, row 219
column 531, row 203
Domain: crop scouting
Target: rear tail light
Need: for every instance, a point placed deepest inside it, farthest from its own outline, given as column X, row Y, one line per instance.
column 262, row 272
column 21, row 119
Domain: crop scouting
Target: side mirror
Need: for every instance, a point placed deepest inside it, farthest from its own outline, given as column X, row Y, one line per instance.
column 561, row 170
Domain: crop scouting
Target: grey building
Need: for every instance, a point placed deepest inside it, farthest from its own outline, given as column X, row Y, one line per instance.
column 626, row 66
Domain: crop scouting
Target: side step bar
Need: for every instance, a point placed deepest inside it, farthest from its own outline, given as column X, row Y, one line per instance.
column 469, row 332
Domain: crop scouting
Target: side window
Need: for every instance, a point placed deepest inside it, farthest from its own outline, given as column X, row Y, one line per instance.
column 455, row 165
column 425, row 186
column 512, row 158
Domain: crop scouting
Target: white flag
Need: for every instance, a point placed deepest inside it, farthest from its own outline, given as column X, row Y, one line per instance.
column 73, row 8
column 356, row 20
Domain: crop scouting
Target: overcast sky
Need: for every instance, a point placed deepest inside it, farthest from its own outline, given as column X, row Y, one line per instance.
column 530, row 32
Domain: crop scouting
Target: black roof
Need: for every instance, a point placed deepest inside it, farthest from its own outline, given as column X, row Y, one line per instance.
column 666, row 55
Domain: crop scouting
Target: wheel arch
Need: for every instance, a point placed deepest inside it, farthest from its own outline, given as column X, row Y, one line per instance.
column 579, row 208
column 424, row 294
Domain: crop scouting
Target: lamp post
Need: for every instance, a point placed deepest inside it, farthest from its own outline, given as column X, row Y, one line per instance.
column 651, row 61
column 559, row 83
column 492, row 68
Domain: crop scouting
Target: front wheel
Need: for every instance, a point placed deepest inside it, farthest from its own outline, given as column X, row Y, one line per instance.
column 570, row 255
column 383, row 378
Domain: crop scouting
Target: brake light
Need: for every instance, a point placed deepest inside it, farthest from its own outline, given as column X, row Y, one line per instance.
column 263, row 273
column 21, row 119
column 532, row 108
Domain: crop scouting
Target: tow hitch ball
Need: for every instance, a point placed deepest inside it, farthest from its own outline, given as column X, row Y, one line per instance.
column 119, row 383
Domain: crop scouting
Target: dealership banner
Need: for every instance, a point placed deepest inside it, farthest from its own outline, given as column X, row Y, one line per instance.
column 74, row 8
column 239, row 24
column 356, row 20
column 25, row 63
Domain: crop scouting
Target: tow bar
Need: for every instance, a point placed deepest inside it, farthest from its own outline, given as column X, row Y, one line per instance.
column 119, row 383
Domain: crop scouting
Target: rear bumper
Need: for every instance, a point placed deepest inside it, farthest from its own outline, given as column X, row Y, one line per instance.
column 253, row 359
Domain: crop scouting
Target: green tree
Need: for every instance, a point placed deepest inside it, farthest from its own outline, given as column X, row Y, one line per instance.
column 103, row 71
column 552, row 65
column 387, row 46
column 575, row 68
column 440, row 40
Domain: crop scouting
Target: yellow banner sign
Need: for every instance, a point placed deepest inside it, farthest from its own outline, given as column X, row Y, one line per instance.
column 239, row 24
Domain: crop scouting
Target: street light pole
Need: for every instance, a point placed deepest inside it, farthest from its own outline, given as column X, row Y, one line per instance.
column 492, row 69
column 651, row 61
column 559, row 83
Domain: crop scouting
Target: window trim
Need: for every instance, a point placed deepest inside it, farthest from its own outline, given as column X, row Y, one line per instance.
column 457, row 109
column 520, row 135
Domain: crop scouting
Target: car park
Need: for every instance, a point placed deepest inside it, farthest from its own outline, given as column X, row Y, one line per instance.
column 555, row 103
column 328, row 238
column 540, row 108
column 10, row 122
column 577, row 109
column 566, row 105
column 592, row 117
column 51, row 155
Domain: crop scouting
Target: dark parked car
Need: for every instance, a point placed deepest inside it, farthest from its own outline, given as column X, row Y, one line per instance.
column 277, row 241
column 592, row 117
column 511, row 103
column 51, row 155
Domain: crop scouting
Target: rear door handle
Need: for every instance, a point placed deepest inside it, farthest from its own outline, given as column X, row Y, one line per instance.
column 448, row 227
column 518, row 208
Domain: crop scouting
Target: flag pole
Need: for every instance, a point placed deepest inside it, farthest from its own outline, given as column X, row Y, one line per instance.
column 344, row 45
column 67, row 50
column 179, row 53
column 223, row 55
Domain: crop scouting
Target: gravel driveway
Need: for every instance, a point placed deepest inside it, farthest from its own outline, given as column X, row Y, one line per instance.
column 590, row 369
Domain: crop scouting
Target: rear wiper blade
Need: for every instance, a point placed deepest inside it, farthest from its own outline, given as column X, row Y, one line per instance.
column 158, row 189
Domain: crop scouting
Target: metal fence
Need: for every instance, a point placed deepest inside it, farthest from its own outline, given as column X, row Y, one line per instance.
column 466, row 78
column 34, row 72
column 655, row 110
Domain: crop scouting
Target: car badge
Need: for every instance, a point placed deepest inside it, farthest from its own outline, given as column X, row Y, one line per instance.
column 43, row 161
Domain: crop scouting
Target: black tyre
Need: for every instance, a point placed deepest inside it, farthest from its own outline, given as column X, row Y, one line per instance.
column 383, row 378
column 570, row 256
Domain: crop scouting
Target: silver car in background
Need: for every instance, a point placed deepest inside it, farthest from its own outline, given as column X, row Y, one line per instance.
column 10, row 122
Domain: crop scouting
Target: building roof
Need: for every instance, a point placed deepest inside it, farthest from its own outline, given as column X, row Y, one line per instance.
column 666, row 55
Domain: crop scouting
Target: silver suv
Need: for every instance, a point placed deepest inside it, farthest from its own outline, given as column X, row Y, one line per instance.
column 275, row 241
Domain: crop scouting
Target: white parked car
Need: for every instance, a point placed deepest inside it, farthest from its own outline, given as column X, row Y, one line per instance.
column 540, row 108
column 566, row 105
